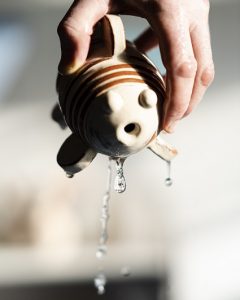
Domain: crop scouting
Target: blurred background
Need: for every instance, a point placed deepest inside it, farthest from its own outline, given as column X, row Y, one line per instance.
column 178, row 243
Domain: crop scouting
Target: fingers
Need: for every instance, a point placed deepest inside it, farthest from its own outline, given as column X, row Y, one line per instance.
column 146, row 41
column 75, row 31
column 205, row 71
column 178, row 58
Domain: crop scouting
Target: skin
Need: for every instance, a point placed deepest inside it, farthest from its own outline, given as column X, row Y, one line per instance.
column 179, row 27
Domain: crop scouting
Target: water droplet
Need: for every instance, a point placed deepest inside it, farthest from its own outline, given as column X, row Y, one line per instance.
column 120, row 182
column 69, row 175
column 125, row 271
column 168, row 180
column 100, row 282
column 101, row 251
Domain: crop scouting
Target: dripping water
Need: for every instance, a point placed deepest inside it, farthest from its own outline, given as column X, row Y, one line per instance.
column 120, row 182
column 100, row 283
column 125, row 271
column 100, row 280
column 120, row 186
column 168, row 180
column 102, row 246
column 69, row 175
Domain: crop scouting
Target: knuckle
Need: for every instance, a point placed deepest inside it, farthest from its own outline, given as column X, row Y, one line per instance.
column 65, row 28
column 207, row 76
column 61, row 28
column 187, row 69
column 103, row 5
column 177, row 110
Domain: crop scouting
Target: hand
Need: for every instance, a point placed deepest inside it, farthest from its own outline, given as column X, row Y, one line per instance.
column 180, row 27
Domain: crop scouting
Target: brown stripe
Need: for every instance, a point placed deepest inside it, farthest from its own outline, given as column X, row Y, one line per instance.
column 100, row 80
column 86, row 66
column 102, row 71
column 120, row 66
column 133, row 59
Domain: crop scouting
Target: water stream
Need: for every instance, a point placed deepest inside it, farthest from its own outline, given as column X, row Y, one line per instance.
column 100, row 283
column 119, row 186
column 168, row 180
column 101, row 280
column 120, row 182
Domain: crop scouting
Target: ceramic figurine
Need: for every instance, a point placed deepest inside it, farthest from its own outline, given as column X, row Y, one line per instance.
column 113, row 104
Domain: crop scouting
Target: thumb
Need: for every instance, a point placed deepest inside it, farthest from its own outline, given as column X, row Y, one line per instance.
column 75, row 31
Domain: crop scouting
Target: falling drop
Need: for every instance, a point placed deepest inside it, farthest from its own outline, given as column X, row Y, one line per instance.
column 120, row 182
column 168, row 180
column 125, row 271
column 69, row 175
column 100, row 282
column 101, row 251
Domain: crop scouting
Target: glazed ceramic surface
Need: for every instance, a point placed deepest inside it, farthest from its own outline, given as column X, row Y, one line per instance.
column 113, row 104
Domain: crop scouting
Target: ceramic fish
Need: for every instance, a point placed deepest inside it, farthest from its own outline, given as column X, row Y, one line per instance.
column 113, row 104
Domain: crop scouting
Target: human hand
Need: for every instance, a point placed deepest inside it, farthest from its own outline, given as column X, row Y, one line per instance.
column 180, row 27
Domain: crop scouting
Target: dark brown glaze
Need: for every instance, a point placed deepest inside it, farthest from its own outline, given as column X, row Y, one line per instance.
column 67, row 155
